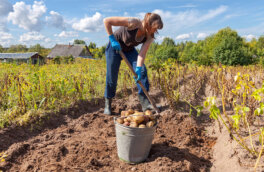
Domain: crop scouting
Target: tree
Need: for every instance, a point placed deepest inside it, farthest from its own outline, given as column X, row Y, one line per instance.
column 92, row 45
column 260, row 42
column 78, row 41
column 186, row 56
column 168, row 42
column 152, row 49
column 36, row 48
column 1, row 49
column 230, row 49
column 163, row 53
column 17, row 48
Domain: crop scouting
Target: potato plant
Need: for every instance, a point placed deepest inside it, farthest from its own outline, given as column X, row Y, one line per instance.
column 29, row 91
column 247, row 103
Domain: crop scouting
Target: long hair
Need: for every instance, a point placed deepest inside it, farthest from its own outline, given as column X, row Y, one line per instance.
column 153, row 20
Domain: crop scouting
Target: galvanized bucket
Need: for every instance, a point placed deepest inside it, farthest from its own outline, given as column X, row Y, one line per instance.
column 133, row 144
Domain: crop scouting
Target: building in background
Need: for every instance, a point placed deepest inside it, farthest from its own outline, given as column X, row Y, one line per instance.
column 76, row 50
column 30, row 57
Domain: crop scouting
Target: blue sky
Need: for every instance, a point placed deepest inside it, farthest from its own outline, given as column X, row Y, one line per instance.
column 50, row 22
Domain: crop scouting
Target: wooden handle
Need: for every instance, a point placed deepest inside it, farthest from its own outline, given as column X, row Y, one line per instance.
column 139, row 82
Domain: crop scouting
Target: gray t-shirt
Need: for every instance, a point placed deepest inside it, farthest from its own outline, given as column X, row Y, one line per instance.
column 126, row 36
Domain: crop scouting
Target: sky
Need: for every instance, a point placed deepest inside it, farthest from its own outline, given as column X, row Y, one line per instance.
column 51, row 22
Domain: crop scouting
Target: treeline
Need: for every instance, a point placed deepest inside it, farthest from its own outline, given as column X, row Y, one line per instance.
column 19, row 48
column 225, row 47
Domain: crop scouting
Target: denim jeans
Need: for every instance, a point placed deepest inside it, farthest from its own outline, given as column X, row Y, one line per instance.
column 113, row 60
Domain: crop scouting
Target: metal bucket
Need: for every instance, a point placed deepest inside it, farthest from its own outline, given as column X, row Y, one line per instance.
column 133, row 144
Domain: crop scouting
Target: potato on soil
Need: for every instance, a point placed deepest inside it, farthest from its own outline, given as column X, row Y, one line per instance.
column 142, row 126
column 120, row 120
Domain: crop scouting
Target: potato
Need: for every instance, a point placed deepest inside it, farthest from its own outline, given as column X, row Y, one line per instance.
column 123, row 113
column 126, row 120
column 130, row 118
column 142, row 126
column 131, row 111
column 146, row 118
column 133, row 124
column 148, row 112
column 152, row 117
column 138, row 113
column 150, row 124
column 138, row 119
column 127, row 113
column 126, row 123
column 120, row 120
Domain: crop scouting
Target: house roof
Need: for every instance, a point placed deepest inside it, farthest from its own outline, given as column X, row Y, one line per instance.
column 67, row 50
column 17, row 55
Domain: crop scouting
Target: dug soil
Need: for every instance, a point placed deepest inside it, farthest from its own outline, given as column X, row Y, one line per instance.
column 81, row 138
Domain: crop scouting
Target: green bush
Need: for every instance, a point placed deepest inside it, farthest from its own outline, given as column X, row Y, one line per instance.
column 163, row 53
column 230, row 49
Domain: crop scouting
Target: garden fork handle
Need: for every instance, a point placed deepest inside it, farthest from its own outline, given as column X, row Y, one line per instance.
column 139, row 82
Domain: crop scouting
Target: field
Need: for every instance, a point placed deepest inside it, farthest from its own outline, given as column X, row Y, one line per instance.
column 52, row 118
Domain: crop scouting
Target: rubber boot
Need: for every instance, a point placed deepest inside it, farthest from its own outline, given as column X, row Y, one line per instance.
column 107, row 110
column 145, row 102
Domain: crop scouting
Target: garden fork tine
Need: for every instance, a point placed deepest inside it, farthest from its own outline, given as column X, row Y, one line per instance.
column 139, row 82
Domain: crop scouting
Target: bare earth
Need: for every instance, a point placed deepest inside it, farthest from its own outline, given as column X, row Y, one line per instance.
column 81, row 138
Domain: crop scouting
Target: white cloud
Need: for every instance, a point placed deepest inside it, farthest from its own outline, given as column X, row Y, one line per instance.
column 47, row 40
column 213, row 13
column 56, row 20
column 249, row 37
column 187, row 19
column 31, row 36
column 67, row 34
column 5, row 38
column 86, row 39
column 28, row 17
column 126, row 14
column 3, row 27
column 183, row 36
column 89, row 24
column 201, row 35
column 160, row 38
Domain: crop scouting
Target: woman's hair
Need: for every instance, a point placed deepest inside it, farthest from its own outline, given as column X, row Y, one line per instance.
column 153, row 20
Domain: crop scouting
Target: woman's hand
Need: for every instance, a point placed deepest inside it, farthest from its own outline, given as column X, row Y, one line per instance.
column 114, row 43
column 138, row 72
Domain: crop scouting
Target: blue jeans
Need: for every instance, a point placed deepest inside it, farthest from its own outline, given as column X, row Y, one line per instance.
column 113, row 60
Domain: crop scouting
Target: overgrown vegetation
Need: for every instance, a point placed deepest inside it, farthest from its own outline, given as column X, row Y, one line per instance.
column 183, row 71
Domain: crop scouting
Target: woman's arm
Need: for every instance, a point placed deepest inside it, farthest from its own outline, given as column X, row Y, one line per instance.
column 114, row 21
column 143, row 52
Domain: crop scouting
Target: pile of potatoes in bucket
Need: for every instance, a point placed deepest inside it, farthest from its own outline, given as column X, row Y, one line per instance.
column 137, row 119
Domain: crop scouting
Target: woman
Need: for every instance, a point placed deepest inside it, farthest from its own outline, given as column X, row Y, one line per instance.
column 132, row 32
